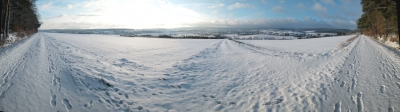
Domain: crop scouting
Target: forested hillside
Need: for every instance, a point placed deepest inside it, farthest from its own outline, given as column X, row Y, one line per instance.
column 379, row 18
column 19, row 16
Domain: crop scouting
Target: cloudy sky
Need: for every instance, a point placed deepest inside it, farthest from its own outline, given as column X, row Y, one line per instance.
column 139, row 14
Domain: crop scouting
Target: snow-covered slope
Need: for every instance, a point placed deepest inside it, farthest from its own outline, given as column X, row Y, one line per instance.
column 69, row 72
column 315, row 46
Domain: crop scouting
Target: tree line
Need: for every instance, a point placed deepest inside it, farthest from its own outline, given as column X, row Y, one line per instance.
column 20, row 16
column 379, row 18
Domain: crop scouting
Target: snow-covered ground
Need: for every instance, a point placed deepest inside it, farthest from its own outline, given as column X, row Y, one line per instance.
column 317, row 46
column 10, row 40
column 259, row 37
column 265, row 37
column 71, row 72
column 389, row 43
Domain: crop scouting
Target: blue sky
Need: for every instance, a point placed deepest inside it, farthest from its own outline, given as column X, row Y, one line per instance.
column 138, row 14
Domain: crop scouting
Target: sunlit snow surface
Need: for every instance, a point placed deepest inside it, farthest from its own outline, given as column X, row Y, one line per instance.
column 71, row 72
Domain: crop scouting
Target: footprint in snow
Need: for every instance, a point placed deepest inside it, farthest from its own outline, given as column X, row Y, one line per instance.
column 276, row 101
column 53, row 100
column 67, row 104
column 338, row 107
column 88, row 105
column 390, row 109
column 383, row 88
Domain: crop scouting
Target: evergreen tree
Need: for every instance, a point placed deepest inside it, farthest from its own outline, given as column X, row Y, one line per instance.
column 18, row 16
column 379, row 18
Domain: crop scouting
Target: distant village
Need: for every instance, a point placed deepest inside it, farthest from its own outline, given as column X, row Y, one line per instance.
column 268, row 34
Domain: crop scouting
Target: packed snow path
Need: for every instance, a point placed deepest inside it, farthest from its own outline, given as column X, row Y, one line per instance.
column 369, row 79
column 67, row 72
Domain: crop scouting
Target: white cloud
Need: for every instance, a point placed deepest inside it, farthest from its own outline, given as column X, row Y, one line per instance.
column 47, row 6
column 69, row 6
column 155, row 14
column 239, row 5
column 279, row 9
column 300, row 6
column 323, row 13
column 64, row 15
column 307, row 22
column 59, row 16
column 264, row 1
column 87, row 15
column 216, row 6
column 97, row 3
column 328, row 2
column 128, row 14
column 319, row 8
column 85, row 4
column 163, row 1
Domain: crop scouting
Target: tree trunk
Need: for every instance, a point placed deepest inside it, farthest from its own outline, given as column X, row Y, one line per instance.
column 1, row 17
column 8, row 22
column 398, row 21
column 5, row 18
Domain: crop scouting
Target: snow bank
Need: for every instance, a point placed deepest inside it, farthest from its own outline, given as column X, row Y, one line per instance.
column 389, row 42
column 11, row 39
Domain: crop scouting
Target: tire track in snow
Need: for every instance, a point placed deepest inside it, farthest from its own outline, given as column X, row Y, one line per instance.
column 5, row 90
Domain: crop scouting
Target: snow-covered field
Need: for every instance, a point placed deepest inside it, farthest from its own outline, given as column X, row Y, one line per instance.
column 319, row 46
column 267, row 37
column 259, row 37
column 71, row 72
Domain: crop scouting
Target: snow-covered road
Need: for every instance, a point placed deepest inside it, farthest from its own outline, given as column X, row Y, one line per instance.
column 369, row 79
column 69, row 72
